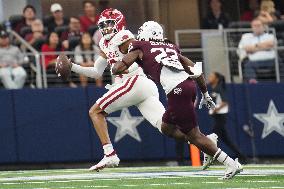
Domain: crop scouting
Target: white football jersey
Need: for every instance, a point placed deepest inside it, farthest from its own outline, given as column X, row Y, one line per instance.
column 113, row 53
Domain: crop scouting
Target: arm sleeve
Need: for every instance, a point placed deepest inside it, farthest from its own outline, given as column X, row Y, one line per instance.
column 240, row 51
column 93, row 72
column 241, row 43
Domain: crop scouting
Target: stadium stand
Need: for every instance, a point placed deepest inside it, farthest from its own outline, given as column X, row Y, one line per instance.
column 60, row 29
column 92, row 29
column 15, row 19
column 232, row 39
column 25, row 30
column 239, row 24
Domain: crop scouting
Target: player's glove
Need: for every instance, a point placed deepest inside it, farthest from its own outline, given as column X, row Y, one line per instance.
column 207, row 101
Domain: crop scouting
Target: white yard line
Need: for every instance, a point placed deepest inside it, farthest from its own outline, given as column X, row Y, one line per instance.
column 155, row 184
column 35, row 182
column 253, row 175
column 180, row 183
column 11, row 183
column 130, row 185
column 59, row 181
column 96, row 186
column 212, row 182
column 140, row 175
column 135, row 168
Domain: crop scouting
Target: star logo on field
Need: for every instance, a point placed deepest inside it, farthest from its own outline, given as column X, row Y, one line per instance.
column 272, row 120
column 126, row 125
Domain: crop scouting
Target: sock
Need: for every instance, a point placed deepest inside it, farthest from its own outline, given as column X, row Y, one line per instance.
column 222, row 157
column 108, row 149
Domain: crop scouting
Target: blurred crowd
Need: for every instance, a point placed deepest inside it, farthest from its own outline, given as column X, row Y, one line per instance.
column 56, row 33
column 256, row 50
column 264, row 10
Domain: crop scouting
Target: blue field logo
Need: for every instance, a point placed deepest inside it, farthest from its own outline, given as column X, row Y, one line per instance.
column 126, row 124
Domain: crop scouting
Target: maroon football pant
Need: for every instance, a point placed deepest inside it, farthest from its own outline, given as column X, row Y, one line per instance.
column 181, row 111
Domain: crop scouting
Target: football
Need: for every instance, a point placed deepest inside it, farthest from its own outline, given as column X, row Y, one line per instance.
column 63, row 67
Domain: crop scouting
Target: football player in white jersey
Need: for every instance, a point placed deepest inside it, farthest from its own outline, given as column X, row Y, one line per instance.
column 130, row 88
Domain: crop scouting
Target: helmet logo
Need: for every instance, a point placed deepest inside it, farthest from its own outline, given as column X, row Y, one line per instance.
column 125, row 37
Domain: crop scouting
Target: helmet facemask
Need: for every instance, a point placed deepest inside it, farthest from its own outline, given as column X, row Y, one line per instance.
column 108, row 28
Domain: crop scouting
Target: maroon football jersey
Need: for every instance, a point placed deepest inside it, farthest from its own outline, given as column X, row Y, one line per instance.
column 155, row 56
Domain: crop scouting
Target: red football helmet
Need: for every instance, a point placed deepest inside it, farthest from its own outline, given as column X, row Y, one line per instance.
column 111, row 21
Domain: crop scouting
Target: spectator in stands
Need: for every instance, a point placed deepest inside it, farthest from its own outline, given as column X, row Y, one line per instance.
column 58, row 18
column 259, row 48
column 52, row 45
column 85, row 55
column 216, row 18
column 12, row 74
column 74, row 31
column 249, row 14
column 268, row 13
column 29, row 15
column 89, row 18
column 37, row 32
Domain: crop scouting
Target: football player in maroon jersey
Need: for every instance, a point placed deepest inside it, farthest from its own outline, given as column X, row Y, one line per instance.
column 163, row 63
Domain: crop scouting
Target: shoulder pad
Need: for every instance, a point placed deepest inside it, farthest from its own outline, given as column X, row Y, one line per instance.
column 121, row 37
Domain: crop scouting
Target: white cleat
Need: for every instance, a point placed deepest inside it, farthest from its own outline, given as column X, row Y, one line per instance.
column 232, row 170
column 108, row 161
column 207, row 159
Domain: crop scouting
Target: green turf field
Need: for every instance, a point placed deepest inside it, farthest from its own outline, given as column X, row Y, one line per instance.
column 254, row 176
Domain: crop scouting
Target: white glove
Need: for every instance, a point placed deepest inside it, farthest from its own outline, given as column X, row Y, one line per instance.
column 207, row 100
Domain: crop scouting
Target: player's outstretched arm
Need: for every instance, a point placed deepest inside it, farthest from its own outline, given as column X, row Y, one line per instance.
column 121, row 66
column 93, row 72
column 200, row 80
